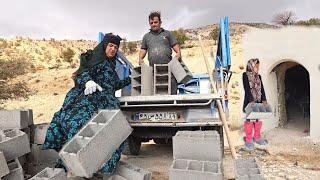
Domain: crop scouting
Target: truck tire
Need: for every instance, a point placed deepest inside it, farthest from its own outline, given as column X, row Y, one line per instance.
column 132, row 146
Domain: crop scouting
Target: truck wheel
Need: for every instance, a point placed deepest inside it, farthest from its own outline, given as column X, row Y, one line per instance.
column 132, row 146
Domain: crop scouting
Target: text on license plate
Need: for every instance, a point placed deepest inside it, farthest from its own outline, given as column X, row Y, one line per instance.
column 157, row 116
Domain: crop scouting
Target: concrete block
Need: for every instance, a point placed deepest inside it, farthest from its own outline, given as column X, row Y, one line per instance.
column 51, row 174
column 197, row 145
column 99, row 138
column 14, row 143
column 38, row 133
column 258, row 111
column 183, row 169
column 13, row 119
column 27, row 130
column 129, row 171
column 22, row 159
column 248, row 169
column 180, row 71
column 162, row 79
column 16, row 171
column 4, row 170
column 33, row 169
column 142, row 80
column 39, row 156
column 30, row 117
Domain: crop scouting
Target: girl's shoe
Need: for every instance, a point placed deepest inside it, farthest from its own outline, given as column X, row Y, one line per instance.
column 249, row 146
column 261, row 141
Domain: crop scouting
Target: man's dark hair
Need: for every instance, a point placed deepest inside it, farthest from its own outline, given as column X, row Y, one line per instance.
column 155, row 14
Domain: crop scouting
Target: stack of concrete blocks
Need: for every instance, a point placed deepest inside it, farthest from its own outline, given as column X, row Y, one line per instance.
column 180, row 71
column 39, row 159
column 99, row 138
column 127, row 171
column 15, row 135
column 197, row 155
column 14, row 144
column 162, row 79
column 258, row 111
column 16, row 171
column 248, row 169
column 142, row 81
column 50, row 174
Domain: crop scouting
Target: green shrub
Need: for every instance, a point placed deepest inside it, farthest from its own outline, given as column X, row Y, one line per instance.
column 68, row 54
column 180, row 35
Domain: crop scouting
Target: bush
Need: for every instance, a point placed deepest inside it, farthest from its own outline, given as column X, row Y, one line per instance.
column 12, row 68
column 9, row 91
column 68, row 54
column 132, row 47
column 3, row 44
column 180, row 35
column 310, row 22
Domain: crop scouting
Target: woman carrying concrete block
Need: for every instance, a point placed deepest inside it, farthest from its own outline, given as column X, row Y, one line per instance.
column 95, row 84
column 254, row 93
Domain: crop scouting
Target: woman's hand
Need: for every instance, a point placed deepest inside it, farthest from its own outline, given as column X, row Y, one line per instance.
column 91, row 87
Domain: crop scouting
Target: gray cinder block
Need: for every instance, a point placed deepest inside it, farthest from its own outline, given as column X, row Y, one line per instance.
column 38, row 133
column 142, row 80
column 129, row 171
column 4, row 170
column 51, row 174
column 180, row 71
column 258, row 111
column 33, row 169
column 13, row 119
column 30, row 116
column 99, row 138
column 197, row 145
column 22, row 159
column 39, row 156
column 162, row 79
column 183, row 169
column 16, row 171
column 27, row 130
column 248, row 169
column 14, row 143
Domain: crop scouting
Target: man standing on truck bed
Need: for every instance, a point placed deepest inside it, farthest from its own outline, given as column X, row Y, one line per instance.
column 158, row 43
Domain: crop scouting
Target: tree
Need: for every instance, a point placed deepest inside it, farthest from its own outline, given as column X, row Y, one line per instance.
column 68, row 54
column 285, row 18
column 180, row 35
column 214, row 34
column 132, row 47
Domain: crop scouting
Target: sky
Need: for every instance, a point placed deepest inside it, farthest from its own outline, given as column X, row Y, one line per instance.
column 80, row 19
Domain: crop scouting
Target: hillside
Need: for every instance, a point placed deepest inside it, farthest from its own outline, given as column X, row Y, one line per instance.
column 37, row 73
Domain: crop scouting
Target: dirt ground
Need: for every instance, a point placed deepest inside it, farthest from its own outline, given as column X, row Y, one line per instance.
column 290, row 155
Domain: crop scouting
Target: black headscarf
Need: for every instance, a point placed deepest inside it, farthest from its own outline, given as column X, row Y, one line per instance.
column 97, row 55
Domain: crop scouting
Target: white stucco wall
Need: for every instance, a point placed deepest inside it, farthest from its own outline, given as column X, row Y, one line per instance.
column 273, row 46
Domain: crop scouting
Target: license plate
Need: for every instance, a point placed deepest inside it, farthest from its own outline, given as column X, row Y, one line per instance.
column 157, row 116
